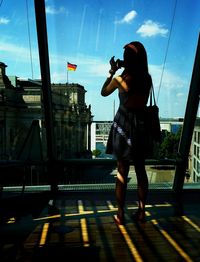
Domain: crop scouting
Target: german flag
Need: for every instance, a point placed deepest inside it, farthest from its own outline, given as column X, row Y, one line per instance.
column 71, row 67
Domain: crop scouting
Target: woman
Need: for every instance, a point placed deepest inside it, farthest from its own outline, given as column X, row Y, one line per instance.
column 127, row 135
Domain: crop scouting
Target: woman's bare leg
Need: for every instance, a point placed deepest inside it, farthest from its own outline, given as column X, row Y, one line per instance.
column 142, row 185
column 121, row 186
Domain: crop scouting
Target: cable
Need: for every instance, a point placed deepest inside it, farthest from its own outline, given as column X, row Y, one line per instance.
column 167, row 48
column 29, row 38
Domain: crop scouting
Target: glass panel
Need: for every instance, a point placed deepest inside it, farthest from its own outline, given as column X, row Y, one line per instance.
column 82, row 37
column 18, row 44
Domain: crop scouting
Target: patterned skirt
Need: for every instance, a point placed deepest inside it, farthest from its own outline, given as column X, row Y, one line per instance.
column 127, row 135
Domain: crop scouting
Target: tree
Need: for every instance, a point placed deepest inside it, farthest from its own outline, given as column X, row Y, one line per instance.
column 96, row 152
column 169, row 145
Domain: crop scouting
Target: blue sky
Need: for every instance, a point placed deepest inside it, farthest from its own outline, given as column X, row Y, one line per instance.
column 88, row 33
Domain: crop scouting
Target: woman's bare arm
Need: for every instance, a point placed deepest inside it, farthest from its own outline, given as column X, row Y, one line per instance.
column 109, row 86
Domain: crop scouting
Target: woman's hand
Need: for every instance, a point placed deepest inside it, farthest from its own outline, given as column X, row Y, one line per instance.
column 114, row 66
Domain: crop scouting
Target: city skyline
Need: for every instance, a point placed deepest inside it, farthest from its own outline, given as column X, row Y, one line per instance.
column 88, row 34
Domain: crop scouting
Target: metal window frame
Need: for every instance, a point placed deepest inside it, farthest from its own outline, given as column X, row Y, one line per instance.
column 190, row 113
column 188, row 125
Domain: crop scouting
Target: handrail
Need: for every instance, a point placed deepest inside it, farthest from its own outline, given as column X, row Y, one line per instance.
column 82, row 161
column 73, row 162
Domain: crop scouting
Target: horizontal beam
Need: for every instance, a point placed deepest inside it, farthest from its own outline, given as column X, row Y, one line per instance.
column 81, row 161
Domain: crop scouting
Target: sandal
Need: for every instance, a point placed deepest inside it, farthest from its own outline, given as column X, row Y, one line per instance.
column 118, row 220
column 139, row 216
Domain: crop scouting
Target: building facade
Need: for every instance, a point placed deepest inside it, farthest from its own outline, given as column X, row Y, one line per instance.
column 21, row 103
column 195, row 153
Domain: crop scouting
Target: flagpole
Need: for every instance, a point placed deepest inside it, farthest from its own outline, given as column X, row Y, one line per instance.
column 67, row 76
column 67, row 73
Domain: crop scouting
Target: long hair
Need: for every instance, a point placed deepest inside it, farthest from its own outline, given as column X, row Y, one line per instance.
column 136, row 73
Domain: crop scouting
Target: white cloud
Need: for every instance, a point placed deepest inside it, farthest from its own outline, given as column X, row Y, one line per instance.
column 53, row 11
column 170, row 80
column 12, row 48
column 180, row 95
column 172, row 94
column 150, row 28
column 20, row 53
column 128, row 18
column 4, row 21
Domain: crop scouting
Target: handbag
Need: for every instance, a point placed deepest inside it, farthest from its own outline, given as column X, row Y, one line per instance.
column 152, row 119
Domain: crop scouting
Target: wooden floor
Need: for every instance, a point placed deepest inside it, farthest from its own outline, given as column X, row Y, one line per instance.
column 79, row 226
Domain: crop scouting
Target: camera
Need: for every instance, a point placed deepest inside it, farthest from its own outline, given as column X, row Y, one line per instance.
column 115, row 65
column 119, row 63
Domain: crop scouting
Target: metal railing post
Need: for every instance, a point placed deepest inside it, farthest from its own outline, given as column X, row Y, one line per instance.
column 188, row 125
column 46, row 87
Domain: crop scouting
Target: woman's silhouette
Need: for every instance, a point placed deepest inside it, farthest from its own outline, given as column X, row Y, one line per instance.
column 127, row 135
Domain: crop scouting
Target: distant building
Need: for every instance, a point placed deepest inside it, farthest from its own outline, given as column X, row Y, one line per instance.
column 73, row 120
column 21, row 102
column 195, row 153
column 171, row 125
column 99, row 136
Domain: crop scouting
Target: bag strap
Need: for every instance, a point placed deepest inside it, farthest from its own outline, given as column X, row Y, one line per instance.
column 152, row 96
